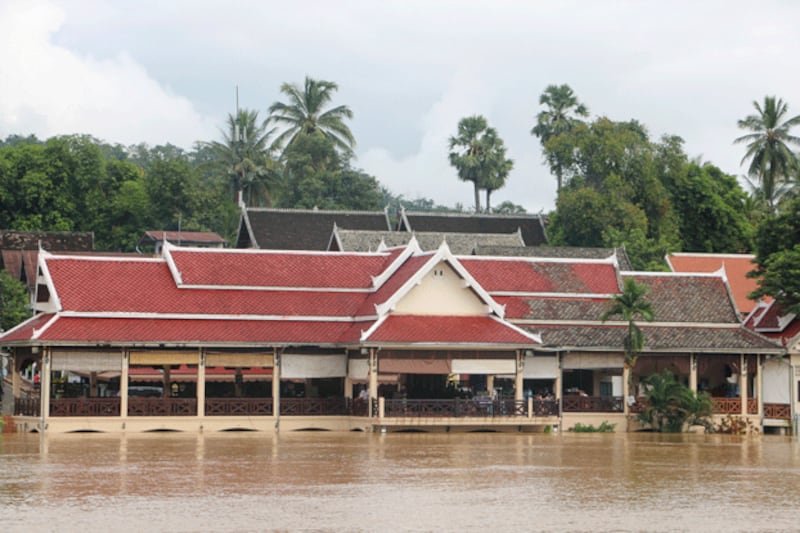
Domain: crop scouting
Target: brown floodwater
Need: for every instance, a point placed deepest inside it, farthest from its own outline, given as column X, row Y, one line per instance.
column 398, row 482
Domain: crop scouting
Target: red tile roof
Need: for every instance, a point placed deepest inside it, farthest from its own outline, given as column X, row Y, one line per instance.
column 521, row 275
column 736, row 268
column 124, row 286
column 139, row 330
column 447, row 329
column 278, row 269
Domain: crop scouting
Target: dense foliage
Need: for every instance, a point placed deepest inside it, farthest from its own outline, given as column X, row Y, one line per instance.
column 671, row 405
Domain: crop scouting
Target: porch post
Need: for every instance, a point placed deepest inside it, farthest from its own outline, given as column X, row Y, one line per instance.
column 373, row 377
column 759, row 385
column 626, row 372
column 123, row 384
column 743, row 382
column 693, row 372
column 201, row 383
column 276, row 386
column 44, row 384
column 518, row 385
column 558, row 380
column 490, row 384
column 16, row 380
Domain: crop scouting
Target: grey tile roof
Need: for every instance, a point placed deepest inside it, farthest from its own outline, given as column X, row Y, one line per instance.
column 531, row 226
column 565, row 309
column 657, row 338
column 566, row 252
column 686, row 298
column 301, row 229
column 55, row 241
column 459, row 243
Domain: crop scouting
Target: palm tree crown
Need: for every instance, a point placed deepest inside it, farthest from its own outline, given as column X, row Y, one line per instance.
column 479, row 156
column 629, row 305
column 245, row 153
column 305, row 114
column 559, row 117
column 771, row 159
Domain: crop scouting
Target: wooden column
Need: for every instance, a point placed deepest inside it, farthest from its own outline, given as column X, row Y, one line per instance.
column 743, row 382
column 201, row 383
column 44, row 385
column 626, row 392
column 519, row 393
column 16, row 380
column 559, row 377
column 373, row 378
column 759, row 386
column 490, row 385
column 123, row 384
column 276, row 386
column 693, row 372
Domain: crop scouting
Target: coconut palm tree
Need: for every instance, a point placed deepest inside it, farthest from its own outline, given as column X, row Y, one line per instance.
column 559, row 117
column 306, row 114
column 478, row 155
column 629, row 305
column 771, row 159
column 244, row 153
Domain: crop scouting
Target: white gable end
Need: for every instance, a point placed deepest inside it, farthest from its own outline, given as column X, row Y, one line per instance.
column 441, row 292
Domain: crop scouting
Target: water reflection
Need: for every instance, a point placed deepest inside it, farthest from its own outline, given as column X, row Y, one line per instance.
column 398, row 482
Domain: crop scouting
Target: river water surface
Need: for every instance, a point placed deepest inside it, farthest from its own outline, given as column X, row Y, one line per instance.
column 398, row 482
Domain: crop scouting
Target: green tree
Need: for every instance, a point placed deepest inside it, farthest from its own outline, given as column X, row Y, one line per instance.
column 14, row 301
column 669, row 405
column 559, row 117
column 630, row 305
column 771, row 159
column 479, row 156
column 306, row 114
column 244, row 155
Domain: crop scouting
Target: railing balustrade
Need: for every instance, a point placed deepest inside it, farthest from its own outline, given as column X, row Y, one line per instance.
column 162, row 406
column 314, row 406
column 727, row 406
column 84, row 406
column 26, row 407
column 779, row 411
column 752, row 406
column 239, row 407
column 592, row 404
column 460, row 408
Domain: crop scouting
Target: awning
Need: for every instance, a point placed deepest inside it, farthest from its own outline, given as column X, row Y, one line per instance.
column 241, row 360
column 164, row 357
column 85, row 361
column 295, row 366
column 587, row 360
column 484, row 366
column 358, row 369
column 540, row 367
column 414, row 366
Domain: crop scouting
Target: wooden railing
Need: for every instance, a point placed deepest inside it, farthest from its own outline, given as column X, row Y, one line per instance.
column 238, row 406
column 162, row 406
column 752, row 406
column 26, row 407
column 592, row 404
column 459, row 408
column 314, row 406
column 727, row 406
column 359, row 407
column 780, row 411
column 84, row 407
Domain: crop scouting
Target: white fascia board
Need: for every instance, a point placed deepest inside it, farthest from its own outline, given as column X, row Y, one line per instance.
column 271, row 289
column 722, row 256
column 717, row 274
column 411, row 249
column 618, row 323
column 565, row 295
column 533, row 336
column 366, row 334
column 54, row 303
column 38, row 332
column 197, row 316
column 166, row 248
column 610, row 260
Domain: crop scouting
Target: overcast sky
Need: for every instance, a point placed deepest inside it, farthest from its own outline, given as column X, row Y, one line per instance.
column 165, row 71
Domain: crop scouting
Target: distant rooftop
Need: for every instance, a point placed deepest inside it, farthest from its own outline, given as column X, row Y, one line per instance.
column 530, row 226
column 567, row 252
column 459, row 243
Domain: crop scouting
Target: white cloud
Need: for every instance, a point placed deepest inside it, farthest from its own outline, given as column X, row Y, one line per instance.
column 48, row 90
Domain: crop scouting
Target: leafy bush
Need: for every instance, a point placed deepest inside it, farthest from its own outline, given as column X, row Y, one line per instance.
column 670, row 405
column 605, row 427
column 735, row 425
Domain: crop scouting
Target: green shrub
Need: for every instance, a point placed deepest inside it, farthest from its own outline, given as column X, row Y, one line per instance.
column 605, row 427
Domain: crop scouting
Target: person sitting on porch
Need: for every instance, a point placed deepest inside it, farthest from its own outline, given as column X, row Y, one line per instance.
column 363, row 394
column 732, row 377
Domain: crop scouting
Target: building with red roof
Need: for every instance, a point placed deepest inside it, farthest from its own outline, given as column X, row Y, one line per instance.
column 266, row 339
